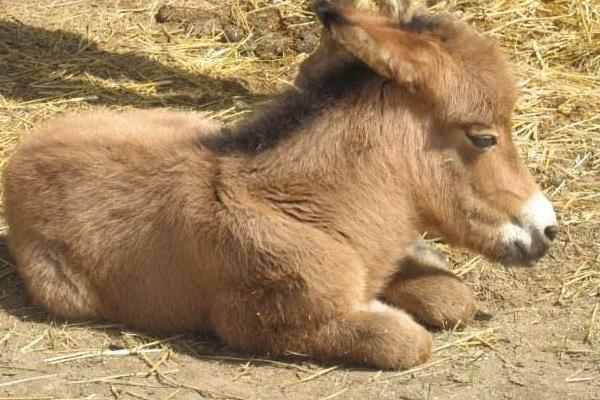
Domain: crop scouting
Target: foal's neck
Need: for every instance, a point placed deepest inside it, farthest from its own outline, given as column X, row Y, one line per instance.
column 324, row 152
column 325, row 127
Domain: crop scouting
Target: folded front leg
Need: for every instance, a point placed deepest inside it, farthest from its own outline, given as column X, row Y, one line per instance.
column 425, row 288
column 300, row 291
column 373, row 334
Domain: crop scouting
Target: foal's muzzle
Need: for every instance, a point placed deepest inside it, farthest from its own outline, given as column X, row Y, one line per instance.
column 529, row 239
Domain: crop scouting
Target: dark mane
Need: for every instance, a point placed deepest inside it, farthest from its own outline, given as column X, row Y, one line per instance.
column 282, row 117
column 441, row 26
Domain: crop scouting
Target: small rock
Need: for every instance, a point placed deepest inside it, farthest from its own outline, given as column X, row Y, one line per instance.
column 268, row 48
column 309, row 42
column 233, row 34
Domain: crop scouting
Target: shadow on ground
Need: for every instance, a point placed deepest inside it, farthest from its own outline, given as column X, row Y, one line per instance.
column 37, row 63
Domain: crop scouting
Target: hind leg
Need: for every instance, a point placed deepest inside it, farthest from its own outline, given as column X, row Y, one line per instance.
column 425, row 288
column 54, row 283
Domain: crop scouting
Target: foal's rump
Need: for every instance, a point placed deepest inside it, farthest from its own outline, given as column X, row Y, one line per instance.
column 96, row 203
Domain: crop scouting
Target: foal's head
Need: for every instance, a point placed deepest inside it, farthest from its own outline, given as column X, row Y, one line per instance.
column 447, row 96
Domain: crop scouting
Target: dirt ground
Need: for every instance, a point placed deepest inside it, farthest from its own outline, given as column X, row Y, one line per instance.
column 537, row 335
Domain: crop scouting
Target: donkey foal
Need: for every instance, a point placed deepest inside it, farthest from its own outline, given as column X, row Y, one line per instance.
column 297, row 230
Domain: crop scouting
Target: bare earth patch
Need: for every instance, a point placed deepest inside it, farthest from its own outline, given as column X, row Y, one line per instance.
column 538, row 334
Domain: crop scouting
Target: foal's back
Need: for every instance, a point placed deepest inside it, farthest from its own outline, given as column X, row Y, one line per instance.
column 114, row 193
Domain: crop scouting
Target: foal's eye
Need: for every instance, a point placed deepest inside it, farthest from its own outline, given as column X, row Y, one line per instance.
column 483, row 142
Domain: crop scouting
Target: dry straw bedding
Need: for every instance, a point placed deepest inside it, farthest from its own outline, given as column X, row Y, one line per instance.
column 222, row 58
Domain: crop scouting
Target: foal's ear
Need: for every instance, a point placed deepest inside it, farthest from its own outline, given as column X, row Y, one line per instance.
column 403, row 56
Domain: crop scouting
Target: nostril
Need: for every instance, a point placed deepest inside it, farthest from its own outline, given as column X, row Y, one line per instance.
column 551, row 232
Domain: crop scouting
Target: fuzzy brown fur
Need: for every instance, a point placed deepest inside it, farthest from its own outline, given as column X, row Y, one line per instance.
column 281, row 233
